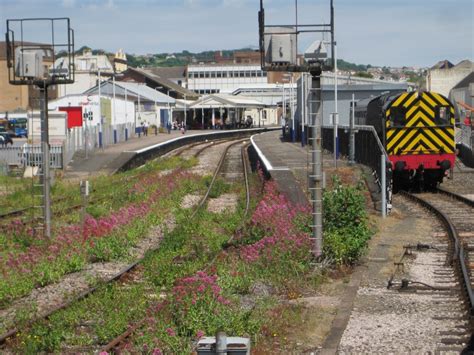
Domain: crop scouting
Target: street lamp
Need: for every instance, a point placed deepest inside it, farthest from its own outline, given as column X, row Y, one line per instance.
column 185, row 113
column 336, row 114
column 202, row 111
column 156, row 104
column 99, row 79
column 170, row 110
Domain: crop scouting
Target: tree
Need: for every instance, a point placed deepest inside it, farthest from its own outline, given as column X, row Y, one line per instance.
column 363, row 74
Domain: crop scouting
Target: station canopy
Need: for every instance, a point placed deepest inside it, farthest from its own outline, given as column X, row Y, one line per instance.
column 226, row 101
column 132, row 90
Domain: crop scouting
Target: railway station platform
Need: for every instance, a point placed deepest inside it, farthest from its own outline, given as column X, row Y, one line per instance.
column 115, row 157
column 288, row 164
column 106, row 161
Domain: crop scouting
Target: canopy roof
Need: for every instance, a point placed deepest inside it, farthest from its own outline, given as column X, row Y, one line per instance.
column 133, row 90
column 226, row 101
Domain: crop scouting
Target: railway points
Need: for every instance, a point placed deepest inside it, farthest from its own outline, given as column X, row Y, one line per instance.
column 290, row 159
column 152, row 238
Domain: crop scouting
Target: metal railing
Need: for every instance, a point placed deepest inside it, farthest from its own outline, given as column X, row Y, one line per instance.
column 368, row 147
column 465, row 144
column 465, row 136
column 93, row 137
column 77, row 139
column 368, row 150
column 31, row 155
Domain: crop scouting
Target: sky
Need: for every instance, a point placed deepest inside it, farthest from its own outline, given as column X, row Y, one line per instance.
column 377, row 32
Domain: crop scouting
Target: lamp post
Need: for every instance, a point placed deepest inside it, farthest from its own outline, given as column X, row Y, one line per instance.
column 139, row 116
column 100, row 111
column 156, row 105
column 185, row 113
column 303, row 108
column 202, row 111
column 99, row 78
column 292, row 110
column 169, row 109
column 283, row 104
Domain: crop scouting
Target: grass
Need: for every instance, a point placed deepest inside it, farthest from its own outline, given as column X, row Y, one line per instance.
column 110, row 230
column 183, row 251
column 182, row 296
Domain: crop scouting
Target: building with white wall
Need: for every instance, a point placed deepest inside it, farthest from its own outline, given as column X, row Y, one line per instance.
column 361, row 88
column 443, row 79
column 151, row 106
column 114, row 112
column 220, row 78
column 89, row 69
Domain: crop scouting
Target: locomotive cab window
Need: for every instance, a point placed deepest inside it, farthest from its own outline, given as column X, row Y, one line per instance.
column 443, row 115
column 397, row 116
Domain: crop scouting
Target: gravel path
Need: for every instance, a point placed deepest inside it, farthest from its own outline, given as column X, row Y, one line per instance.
column 416, row 321
column 462, row 181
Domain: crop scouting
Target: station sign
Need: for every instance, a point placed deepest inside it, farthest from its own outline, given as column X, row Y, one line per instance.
column 88, row 116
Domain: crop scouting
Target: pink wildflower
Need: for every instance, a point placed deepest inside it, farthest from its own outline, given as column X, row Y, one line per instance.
column 199, row 334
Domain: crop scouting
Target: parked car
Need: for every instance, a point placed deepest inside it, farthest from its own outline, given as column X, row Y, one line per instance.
column 5, row 138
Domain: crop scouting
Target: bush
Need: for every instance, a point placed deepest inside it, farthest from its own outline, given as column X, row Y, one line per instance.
column 345, row 245
column 344, row 206
column 346, row 232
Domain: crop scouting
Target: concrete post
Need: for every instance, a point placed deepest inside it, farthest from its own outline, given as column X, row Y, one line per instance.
column 45, row 174
column 221, row 343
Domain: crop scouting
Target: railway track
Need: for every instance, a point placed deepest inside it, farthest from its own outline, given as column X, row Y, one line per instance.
column 225, row 168
column 131, row 268
column 454, row 278
column 195, row 150
column 6, row 216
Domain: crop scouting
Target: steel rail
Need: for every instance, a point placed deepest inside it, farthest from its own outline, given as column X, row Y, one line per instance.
column 455, row 196
column 459, row 257
column 13, row 331
column 112, row 345
column 214, row 176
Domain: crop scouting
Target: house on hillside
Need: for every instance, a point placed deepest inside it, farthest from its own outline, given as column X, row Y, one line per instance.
column 89, row 70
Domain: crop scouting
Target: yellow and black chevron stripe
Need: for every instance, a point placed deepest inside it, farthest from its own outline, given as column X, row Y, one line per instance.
column 419, row 133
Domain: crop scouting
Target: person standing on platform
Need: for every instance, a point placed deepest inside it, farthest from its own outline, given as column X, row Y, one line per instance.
column 283, row 126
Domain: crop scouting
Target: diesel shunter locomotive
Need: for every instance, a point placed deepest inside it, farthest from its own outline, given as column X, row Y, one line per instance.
column 417, row 131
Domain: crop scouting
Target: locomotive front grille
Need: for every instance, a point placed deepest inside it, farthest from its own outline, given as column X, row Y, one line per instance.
column 420, row 124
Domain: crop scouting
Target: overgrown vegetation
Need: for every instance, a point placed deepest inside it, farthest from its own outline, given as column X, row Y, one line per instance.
column 121, row 216
column 191, row 287
column 346, row 230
